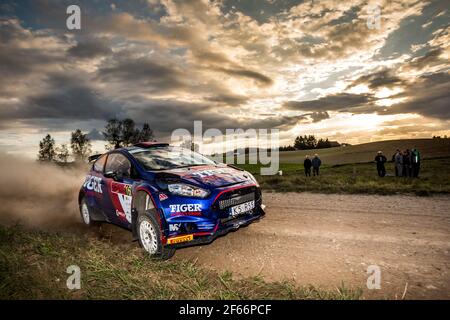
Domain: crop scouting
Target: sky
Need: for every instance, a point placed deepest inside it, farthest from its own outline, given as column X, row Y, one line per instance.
column 352, row 71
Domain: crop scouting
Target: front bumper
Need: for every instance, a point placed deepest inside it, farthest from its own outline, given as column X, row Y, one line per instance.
column 222, row 229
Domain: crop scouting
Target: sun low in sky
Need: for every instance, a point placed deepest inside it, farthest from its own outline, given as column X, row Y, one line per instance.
column 352, row 71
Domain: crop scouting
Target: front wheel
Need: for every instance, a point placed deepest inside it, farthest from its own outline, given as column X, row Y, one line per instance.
column 149, row 235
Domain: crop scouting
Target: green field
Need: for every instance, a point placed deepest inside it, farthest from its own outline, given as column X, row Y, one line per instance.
column 351, row 170
column 358, row 178
column 33, row 266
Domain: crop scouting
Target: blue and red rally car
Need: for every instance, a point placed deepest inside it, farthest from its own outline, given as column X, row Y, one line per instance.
column 168, row 197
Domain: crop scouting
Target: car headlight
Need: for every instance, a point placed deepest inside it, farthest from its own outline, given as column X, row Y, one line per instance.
column 252, row 178
column 186, row 190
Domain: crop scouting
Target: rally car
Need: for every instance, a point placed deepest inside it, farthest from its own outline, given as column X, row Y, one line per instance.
column 167, row 196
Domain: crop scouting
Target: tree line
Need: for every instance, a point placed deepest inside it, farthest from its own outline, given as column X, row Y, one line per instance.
column 307, row 142
column 117, row 133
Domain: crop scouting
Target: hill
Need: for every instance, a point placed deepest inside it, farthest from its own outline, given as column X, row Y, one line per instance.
column 429, row 148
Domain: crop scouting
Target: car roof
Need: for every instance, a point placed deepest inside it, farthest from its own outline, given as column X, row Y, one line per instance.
column 145, row 145
column 131, row 149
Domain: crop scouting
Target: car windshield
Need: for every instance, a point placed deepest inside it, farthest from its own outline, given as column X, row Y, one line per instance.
column 164, row 158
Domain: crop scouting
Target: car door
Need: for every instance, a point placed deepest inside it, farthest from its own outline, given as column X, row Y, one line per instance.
column 94, row 188
column 118, row 181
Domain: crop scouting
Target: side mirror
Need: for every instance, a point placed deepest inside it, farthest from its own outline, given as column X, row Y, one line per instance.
column 117, row 176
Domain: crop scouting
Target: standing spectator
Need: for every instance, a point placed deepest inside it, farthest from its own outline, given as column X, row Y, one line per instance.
column 307, row 164
column 398, row 163
column 380, row 159
column 316, row 163
column 407, row 163
column 415, row 162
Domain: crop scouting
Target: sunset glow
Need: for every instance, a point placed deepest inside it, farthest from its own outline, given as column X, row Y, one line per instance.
column 300, row 67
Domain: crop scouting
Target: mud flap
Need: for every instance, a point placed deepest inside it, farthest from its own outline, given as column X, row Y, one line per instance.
column 134, row 216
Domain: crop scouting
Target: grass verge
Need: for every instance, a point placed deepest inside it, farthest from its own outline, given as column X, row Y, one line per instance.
column 33, row 265
column 358, row 178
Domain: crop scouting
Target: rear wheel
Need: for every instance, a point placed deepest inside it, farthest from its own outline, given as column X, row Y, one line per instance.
column 86, row 214
column 149, row 235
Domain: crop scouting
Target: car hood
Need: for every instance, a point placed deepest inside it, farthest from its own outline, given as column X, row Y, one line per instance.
column 211, row 176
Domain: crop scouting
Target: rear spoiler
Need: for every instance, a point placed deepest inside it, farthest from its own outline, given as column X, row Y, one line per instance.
column 151, row 144
column 94, row 157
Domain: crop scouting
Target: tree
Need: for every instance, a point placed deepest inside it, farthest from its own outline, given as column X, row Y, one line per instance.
column 47, row 149
column 62, row 153
column 113, row 134
column 130, row 135
column 146, row 133
column 322, row 144
column 80, row 145
column 299, row 143
column 287, row 148
column 124, row 133
column 305, row 142
column 311, row 142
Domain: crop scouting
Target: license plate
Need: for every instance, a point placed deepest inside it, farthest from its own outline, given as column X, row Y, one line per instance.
column 242, row 208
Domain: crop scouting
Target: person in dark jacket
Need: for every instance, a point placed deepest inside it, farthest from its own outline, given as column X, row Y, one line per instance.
column 407, row 163
column 316, row 163
column 398, row 163
column 307, row 164
column 380, row 159
column 415, row 162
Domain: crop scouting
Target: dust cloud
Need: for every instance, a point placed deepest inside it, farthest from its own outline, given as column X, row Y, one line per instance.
column 37, row 195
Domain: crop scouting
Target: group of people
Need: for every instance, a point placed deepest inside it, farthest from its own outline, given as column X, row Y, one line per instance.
column 315, row 164
column 406, row 163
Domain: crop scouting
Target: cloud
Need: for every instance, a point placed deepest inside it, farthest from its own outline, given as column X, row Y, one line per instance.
column 432, row 58
column 171, row 62
column 429, row 95
column 65, row 97
column 89, row 49
column 152, row 75
column 334, row 102
column 375, row 80
column 164, row 116
column 228, row 99
column 25, row 55
column 319, row 116
column 262, row 79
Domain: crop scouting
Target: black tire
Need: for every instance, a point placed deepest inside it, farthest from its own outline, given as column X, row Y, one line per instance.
column 149, row 236
column 86, row 217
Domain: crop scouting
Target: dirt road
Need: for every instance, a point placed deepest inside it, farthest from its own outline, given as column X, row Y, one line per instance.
column 316, row 239
column 325, row 240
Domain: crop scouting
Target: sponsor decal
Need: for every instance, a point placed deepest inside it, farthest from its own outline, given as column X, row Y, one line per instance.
column 193, row 209
column 93, row 183
column 180, row 239
column 174, row 226
column 121, row 215
column 163, row 196
column 209, row 173
column 128, row 189
column 121, row 198
column 185, row 207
